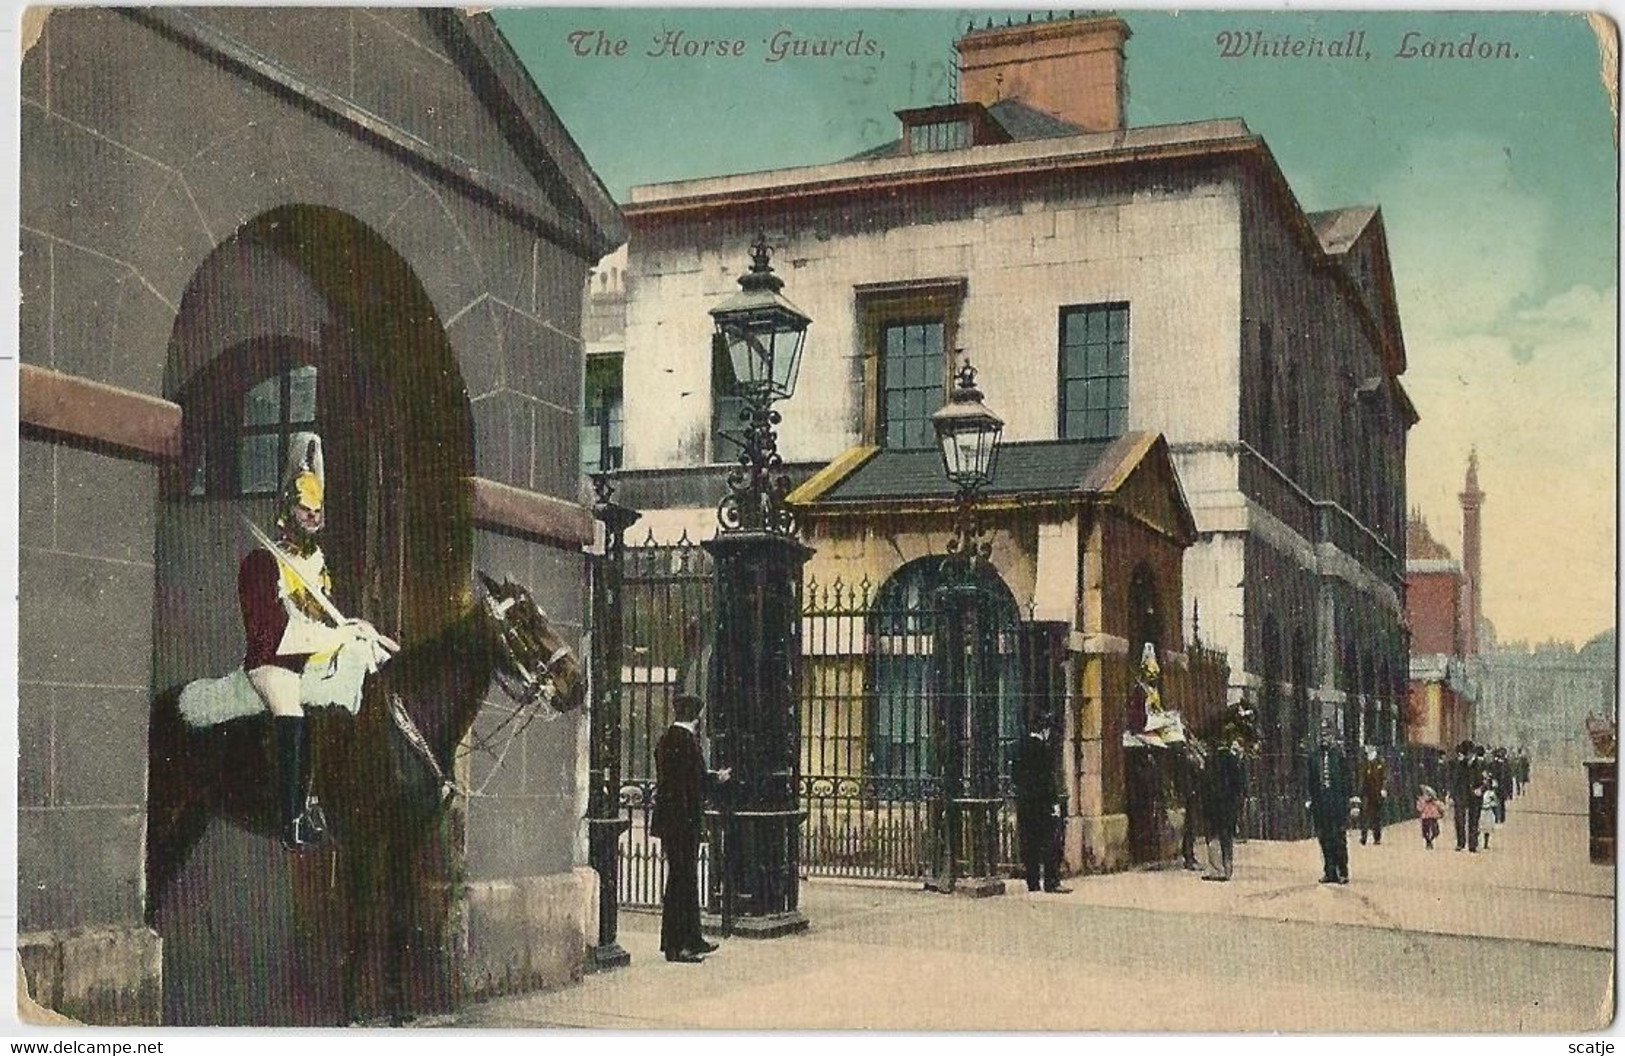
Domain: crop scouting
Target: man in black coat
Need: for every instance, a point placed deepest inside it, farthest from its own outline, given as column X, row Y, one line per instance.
column 1223, row 786
column 678, row 819
column 1501, row 770
column 1373, row 793
column 1463, row 801
column 1038, row 810
column 1328, row 785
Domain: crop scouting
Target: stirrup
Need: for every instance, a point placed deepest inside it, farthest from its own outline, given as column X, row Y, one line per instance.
column 308, row 830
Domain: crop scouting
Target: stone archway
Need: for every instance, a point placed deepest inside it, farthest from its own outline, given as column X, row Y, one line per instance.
column 304, row 320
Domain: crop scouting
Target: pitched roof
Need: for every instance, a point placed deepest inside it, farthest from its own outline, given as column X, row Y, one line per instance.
column 1019, row 120
column 1033, row 470
column 1338, row 229
column 1041, row 468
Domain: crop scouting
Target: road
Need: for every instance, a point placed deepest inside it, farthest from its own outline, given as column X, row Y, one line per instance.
column 1516, row 939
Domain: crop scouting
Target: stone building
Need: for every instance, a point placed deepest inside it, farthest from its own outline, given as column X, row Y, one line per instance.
column 1538, row 697
column 1106, row 280
column 366, row 223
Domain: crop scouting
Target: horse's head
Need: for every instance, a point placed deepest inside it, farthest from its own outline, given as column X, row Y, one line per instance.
column 534, row 663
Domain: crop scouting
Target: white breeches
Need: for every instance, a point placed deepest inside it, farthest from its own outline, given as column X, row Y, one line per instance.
column 279, row 689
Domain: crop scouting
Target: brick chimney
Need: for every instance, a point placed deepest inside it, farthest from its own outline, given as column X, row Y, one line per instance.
column 1070, row 68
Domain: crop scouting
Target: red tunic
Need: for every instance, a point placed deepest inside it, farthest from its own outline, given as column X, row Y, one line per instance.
column 265, row 619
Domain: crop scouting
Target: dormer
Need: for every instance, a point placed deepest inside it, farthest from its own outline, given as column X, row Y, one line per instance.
column 950, row 126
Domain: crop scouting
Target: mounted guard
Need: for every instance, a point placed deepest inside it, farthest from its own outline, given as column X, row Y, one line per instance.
column 301, row 651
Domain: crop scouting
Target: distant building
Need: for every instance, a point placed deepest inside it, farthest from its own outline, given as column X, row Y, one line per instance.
column 1108, row 281
column 1439, row 600
column 1539, row 696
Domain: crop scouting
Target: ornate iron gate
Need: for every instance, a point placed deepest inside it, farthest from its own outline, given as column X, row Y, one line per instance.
column 869, row 725
column 667, row 616
column 868, row 753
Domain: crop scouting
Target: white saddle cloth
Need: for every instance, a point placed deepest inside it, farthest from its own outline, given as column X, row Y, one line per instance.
column 334, row 681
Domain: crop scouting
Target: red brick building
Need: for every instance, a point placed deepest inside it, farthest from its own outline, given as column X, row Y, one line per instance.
column 1441, row 609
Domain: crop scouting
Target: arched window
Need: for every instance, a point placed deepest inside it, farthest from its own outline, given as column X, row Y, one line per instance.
column 244, row 414
column 900, row 727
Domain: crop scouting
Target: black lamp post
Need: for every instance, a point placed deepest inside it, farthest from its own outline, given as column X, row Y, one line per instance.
column 604, row 821
column 966, row 811
column 756, row 834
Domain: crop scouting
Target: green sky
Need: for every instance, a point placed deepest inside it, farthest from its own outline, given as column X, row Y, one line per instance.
column 1497, row 181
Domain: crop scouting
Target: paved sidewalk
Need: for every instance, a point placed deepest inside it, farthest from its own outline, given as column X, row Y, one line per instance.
column 1535, row 883
column 1518, row 939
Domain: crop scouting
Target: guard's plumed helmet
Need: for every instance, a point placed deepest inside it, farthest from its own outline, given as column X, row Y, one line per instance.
column 304, row 481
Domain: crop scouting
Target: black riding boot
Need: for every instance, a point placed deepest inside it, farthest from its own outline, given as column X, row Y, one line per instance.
column 303, row 824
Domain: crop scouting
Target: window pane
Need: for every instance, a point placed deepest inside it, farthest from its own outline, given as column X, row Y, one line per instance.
column 1075, row 327
column 590, row 452
column 1116, row 324
column 263, row 404
column 1117, row 393
column 257, row 467
column 1096, row 329
column 933, row 340
column 894, row 340
column 1117, row 360
column 1094, row 360
column 302, row 394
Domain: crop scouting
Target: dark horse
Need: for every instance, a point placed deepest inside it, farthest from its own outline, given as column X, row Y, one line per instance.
column 383, row 779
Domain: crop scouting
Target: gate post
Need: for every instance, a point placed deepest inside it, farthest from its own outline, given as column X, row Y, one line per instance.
column 604, row 822
column 966, row 812
column 756, row 729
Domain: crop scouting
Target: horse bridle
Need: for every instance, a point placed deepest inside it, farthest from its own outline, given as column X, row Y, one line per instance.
column 532, row 678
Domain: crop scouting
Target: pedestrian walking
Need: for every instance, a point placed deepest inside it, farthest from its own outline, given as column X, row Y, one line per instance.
column 1038, row 810
column 1328, row 804
column 1489, row 800
column 1431, row 812
column 1373, row 791
column 1501, row 769
column 1462, row 796
column 679, row 812
column 1192, row 763
column 1223, row 787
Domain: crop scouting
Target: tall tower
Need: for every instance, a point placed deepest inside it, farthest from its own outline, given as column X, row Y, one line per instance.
column 1472, row 552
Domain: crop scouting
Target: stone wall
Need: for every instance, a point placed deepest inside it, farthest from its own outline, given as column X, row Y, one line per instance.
column 1166, row 242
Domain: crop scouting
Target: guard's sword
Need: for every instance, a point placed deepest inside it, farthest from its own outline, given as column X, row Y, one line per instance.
column 313, row 589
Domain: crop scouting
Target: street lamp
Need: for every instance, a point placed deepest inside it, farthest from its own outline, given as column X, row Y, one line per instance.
column 756, row 835
column 763, row 334
column 968, row 435
column 966, row 810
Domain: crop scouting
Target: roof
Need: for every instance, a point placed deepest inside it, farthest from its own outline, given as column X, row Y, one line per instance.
column 1195, row 138
column 1027, row 473
column 1338, row 229
column 1021, row 122
column 1049, row 467
column 1420, row 544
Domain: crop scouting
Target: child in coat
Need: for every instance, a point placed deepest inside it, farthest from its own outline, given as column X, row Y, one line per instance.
column 1431, row 810
column 1489, row 800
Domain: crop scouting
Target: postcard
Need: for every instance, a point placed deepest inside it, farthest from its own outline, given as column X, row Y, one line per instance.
column 807, row 519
